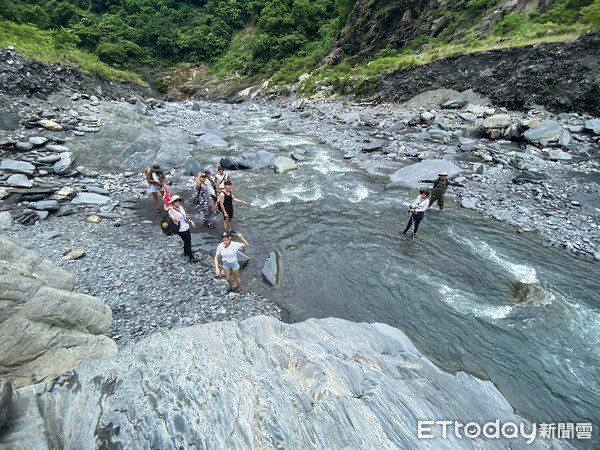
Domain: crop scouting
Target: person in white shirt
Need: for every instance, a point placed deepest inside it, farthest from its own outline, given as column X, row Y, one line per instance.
column 179, row 216
column 228, row 251
column 221, row 177
column 417, row 211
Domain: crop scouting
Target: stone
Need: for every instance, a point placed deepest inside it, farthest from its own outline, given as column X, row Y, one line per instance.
column 13, row 166
column 259, row 383
column 19, row 181
column 372, row 146
column 6, row 220
column 86, row 198
column 45, row 205
column 269, row 270
column 284, row 164
column 38, row 141
column 8, row 120
column 74, row 254
column 425, row 170
column 50, row 124
column 57, row 148
column 469, row 203
column 63, row 166
column 46, row 328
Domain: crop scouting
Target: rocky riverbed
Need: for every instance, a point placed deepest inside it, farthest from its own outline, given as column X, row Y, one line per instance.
column 99, row 223
column 548, row 186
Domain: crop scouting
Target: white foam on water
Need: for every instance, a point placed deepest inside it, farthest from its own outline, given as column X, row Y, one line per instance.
column 352, row 192
column 287, row 194
column 468, row 304
column 520, row 272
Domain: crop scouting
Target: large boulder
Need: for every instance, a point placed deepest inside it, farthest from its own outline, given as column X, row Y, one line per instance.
column 425, row 170
column 45, row 328
column 259, row 383
column 129, row 140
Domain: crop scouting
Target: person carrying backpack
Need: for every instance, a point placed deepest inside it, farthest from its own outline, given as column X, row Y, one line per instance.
column 179, row 216
column 156, row 180
column 438, row 192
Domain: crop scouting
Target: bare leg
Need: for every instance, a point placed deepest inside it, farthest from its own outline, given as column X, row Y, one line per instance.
column 228, row 278
column 155, row 198
column 238, row 280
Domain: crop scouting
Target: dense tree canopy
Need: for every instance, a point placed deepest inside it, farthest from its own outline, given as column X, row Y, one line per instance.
column 123, row 32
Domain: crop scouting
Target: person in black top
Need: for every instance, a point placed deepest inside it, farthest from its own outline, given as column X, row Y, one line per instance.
column 226, row 199
column 438, row 191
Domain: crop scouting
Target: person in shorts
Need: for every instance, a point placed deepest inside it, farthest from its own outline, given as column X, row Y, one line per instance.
column 228, row 251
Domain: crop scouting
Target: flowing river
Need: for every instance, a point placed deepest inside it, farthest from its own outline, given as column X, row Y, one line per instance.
column 454, row 290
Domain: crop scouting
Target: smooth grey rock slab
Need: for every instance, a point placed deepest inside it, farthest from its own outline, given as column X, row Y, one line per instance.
column 63, row 166
column 425, row 170
column 96, row 189
column 592, row 125
column 6, row 220
column 260, row 384
column 45, row 205
column 269, row 270
column 19, row 180
column 14, row 166
column 469, row 203
column 8, row 120
column 37, row 140
column 45, row 328
column 544, row 133
column 50, row 159
column 57, row 148
column 88, row 198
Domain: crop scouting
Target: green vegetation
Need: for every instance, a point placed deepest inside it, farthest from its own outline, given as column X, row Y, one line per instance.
column 58, row 46
column 243, row 41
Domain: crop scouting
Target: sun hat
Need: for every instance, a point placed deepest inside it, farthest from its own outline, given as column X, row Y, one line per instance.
column 175, row 198
column 226, row 234
column 442, row 174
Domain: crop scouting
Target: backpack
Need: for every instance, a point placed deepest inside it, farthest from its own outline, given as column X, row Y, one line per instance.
column 168, row 226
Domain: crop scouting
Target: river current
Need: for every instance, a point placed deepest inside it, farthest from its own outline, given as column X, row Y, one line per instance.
column 470, row 292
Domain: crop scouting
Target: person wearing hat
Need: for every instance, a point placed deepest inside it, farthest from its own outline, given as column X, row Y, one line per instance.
column 417, row 211
column 228, row 251
column 438, row 191
column 179, row 216
column 203, row 199
column 156, row 180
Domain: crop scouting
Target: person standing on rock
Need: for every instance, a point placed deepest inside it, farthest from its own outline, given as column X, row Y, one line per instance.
column 438, row 192
column 228, row 250
column 179, row 216
column 221, row 177
column 204, row 200
column 226, row 199
column 156, row 180
column 417, row 211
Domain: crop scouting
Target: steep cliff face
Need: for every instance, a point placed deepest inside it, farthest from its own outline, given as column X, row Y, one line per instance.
column 560, row 77
column 374, row 25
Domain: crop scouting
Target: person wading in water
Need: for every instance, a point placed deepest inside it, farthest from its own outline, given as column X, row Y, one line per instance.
column 417, row 211
column 438, row 192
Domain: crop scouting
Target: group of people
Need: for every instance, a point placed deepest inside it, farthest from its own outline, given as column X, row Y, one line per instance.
column 427, row 198
column 213, row 194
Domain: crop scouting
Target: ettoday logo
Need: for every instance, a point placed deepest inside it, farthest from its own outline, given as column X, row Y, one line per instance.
column 432, row 429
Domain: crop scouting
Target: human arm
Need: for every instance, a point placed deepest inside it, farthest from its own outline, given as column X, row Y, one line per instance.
column 453, row 183
column 216, row 261
column 237, row 200
column 425, row 181
column 244, row 241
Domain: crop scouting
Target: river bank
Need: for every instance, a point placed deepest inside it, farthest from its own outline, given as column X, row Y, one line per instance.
column 558, row 205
